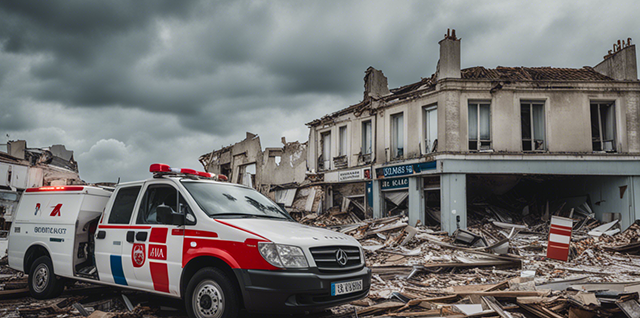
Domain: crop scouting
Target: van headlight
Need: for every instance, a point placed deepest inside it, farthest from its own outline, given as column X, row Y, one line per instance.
column 283, row 256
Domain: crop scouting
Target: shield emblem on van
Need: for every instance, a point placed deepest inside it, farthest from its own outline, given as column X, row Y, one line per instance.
column 138, row 255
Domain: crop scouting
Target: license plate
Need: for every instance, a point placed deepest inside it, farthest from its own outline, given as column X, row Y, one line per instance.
column 346, row 287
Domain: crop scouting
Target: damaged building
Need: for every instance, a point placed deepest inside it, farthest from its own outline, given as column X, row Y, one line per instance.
column 481, row 139
column 278, row 172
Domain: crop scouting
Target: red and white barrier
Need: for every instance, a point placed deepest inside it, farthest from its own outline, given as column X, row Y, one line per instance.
column 559, row 238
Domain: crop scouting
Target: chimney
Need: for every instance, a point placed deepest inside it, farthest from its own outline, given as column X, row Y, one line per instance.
column 375, row 84
column 449, row 63
column 620, row 64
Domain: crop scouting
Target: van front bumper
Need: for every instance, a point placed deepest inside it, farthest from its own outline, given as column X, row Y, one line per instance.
column 297, row 291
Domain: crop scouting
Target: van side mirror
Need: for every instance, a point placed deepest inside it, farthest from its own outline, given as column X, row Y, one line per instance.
column 166, row 215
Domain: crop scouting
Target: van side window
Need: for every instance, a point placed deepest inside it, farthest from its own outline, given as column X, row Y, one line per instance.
column 123, row 205
column 155, row 196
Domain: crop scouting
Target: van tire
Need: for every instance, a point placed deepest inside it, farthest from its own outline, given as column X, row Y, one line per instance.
column 43, row 283
column 215, row 292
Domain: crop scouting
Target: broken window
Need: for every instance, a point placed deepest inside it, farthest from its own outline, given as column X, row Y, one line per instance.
column 479, row 126
column 397, row 135
column 343, row 140
column 430, row 128
column 532, row 121
column 366, row 137
column 325, row 156
column 603, row 127
column 248, row 175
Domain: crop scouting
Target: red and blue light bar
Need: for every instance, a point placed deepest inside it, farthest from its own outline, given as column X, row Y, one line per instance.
column 163, row 168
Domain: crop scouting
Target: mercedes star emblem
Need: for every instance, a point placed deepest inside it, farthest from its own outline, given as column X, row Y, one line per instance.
column 341, row 257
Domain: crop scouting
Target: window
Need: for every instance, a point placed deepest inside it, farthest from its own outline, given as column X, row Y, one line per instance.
column 232, row 201
column 397, row 135
column 325, row 145
column 366, row 137
column 603, row 126
column 155, row 196
column 430, row 128
column 532, row 122
column 123, row 205
column 479, row 126
column 343, row 140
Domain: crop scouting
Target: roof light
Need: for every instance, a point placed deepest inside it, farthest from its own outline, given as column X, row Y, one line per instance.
column 166, row 169
column 56, row 188
column 159, row 167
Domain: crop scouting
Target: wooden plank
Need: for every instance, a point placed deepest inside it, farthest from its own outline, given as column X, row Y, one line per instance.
column 493, row 304
column 508, row 294
column 14, row 293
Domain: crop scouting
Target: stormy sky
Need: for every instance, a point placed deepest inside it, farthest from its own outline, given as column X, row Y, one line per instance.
column 128, row 83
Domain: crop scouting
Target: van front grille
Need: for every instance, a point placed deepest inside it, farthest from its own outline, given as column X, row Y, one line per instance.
column 326, row 258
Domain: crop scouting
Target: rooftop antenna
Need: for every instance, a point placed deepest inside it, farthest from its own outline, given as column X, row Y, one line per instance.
column 118, row 182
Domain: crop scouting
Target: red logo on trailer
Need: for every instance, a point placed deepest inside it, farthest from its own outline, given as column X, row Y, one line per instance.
column 138, row 255
column 56, row 210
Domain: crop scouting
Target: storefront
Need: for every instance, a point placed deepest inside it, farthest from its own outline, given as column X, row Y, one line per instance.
column 348, row 190
column 400, row 189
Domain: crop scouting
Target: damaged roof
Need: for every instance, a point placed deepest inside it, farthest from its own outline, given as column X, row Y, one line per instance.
column 480, row 73
column 546, row 73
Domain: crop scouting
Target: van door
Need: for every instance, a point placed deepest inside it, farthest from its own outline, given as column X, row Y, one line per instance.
column 156, row 253
column 111, row 236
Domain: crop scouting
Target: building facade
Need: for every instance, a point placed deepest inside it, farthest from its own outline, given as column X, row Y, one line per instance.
column 432, row 147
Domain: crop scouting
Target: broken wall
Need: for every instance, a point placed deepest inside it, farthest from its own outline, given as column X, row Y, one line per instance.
column 615, row 194
column 289, row 168
column 232, row 160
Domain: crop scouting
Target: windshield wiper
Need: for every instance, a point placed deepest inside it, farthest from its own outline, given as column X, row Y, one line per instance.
column 247, row 216
column 231, row 214
column 269, row 216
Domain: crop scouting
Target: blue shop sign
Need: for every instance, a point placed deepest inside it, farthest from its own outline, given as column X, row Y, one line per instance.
column 395, row 183
column 397, row 171
column 424, row 166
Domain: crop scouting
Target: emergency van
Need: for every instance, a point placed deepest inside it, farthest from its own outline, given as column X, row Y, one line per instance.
column 184, row 233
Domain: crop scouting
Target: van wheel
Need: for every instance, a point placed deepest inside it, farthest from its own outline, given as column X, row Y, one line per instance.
column 43, row 283
column 210, row 294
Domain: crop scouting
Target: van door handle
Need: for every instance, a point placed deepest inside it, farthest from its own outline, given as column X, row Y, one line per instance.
column 130, row 236
column 101, row 235
column 141, row 236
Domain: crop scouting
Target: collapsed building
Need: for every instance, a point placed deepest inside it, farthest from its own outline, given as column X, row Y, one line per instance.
column 22, row 168
column 452, row 142
column 278, row 172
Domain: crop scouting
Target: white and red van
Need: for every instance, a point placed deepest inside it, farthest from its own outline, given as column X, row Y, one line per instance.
column 217, row 245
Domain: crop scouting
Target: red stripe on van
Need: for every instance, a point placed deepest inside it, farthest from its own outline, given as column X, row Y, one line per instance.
column 160, row 276
column 158, row 235
column 126, row 227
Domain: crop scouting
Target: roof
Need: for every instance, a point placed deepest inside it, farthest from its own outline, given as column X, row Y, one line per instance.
column 500, row 73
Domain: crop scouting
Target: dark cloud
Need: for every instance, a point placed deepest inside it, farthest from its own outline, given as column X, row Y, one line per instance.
column 127, row 83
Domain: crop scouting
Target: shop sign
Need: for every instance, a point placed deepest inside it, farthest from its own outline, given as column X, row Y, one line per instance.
column 395, row 183
column 397, row 170
column 350, row 175
column 424, row 166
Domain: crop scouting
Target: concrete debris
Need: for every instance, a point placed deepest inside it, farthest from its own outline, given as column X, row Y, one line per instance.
column 496, row 267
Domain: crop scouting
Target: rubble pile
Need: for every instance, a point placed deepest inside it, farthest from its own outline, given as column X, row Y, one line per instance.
column 494, row 268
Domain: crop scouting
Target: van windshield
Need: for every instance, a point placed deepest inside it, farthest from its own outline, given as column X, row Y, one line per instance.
column 230, row 201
